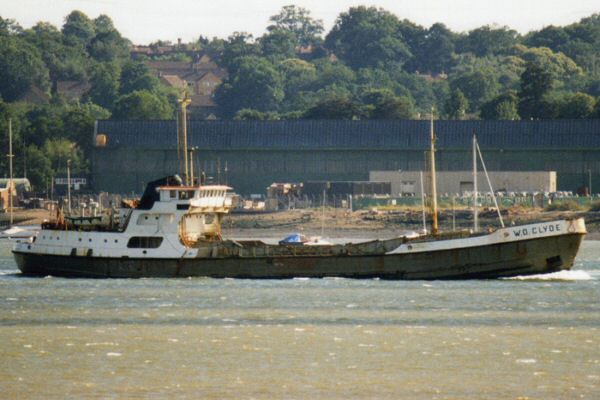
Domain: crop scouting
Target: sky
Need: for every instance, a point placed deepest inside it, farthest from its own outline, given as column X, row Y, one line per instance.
column 145, row 21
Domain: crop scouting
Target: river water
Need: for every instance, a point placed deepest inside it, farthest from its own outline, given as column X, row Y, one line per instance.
column 534, row 338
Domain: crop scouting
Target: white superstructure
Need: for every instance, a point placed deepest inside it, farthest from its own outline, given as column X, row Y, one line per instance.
column 180, row 215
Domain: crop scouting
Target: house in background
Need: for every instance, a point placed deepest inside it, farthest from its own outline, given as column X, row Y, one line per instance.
column 201, row 77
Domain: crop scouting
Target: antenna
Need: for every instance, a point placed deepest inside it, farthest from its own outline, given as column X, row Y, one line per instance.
column 10, row 163
column 182, row 147
column 423, row 203
column 475, row 210
column 434, row 228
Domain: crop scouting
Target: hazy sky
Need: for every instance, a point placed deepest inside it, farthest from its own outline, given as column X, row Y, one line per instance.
column 144, row 21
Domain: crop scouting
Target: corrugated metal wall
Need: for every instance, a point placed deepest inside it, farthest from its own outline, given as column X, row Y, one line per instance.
column 375, row 134
column 258, row 153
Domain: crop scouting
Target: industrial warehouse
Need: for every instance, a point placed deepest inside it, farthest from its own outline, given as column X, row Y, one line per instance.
column 250, row 155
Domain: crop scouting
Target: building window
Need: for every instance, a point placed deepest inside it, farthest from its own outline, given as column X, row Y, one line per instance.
column 144, row 242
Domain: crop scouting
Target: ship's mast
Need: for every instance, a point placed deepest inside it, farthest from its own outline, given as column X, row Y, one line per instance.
column 434, row 228
column 475, row 210
column 10, row 163
column 182, row 139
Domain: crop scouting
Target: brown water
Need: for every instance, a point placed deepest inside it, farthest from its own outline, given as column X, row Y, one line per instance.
column 301, row 339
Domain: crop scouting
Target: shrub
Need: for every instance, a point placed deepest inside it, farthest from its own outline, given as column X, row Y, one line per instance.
column 567, row 205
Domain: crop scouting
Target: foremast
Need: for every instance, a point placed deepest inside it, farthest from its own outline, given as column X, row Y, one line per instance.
column 434, row 211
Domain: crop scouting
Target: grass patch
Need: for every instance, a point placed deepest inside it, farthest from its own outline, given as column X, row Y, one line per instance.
column 567, row 205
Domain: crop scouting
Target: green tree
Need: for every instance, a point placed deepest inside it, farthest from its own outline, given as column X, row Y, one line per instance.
column 577, row 106
column 551, row 36
column 331, row 73
column 536, row 83
column 278, row 44
column 43, row 122
column 105, row 84
column 21, row 66
column 478, row 86
column 64, row 62
column 383, row 104
column 486, row 41
column 59, row 151
column 240, row 44
column 141, row 104
column 456, row 105
column 9, row 27
column 297, row 20
column 557, row 64
column 78, row 29
column 107, row 44
column 248, row 114
column 136, row 76
column 367, row 37
column 79, row 121
column 334, row 107
column 253, row 83
column 434, row 53
column 298, row 78
column 39, row 168
column 502, row 107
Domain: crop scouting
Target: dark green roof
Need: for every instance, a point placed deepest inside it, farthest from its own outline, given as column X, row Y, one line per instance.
column 367, row 134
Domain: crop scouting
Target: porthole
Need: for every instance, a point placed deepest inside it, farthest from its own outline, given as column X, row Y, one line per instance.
column 90, row 239
column 57, row 238
column 144, row 252
column 105, row 241
column 116, row 241
column 79, row 239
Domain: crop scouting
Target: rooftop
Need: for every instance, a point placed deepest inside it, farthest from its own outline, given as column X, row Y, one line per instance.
column 366, row 134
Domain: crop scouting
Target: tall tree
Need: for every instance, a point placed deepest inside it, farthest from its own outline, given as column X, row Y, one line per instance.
column 142, row 104
column 478, row 86
column 278, row 44
column 434, row 52
column 136, row 76
column 21, row 66
column 105, row 84
column 298, row 21
column 487, row 40
column 78, row 28
column 536, row 83
column 456, row 105
column 334, row 107
column 502, row 107
column 107, row 44
column 577, row 106
column 240, row 44
column 384, row 104
column 367, row 37
column 253, row 83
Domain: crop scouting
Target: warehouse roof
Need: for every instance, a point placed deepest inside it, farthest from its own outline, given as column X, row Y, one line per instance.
column 343, row 134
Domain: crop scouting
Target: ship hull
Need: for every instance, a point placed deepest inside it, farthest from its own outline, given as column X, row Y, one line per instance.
column 525, row 257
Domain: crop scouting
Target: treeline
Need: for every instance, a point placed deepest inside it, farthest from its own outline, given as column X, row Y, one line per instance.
column 370, row 65
column 89, row 51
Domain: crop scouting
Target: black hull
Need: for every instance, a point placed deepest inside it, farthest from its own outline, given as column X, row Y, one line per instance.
column 535, row 256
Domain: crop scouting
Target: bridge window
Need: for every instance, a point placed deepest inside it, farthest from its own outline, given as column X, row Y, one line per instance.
column 144, row 242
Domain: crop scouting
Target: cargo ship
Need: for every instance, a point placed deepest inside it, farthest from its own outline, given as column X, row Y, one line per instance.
column 175, row 231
